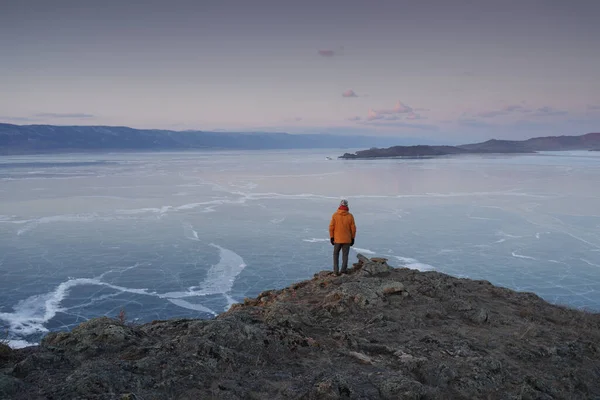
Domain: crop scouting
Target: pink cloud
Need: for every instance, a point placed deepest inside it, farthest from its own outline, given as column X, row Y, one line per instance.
column 373, row 115
column 349, row 93
column 401, row 108
column 326, row 53
column 391, row 114
column 413, row 116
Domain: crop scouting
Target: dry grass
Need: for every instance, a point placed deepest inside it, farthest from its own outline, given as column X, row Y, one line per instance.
column 122, row 317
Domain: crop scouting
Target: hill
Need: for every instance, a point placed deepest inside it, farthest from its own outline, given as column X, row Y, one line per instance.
column 549, row 143
column 406, row 151
column 375, row 333
column 561, row 143
column 28, row 139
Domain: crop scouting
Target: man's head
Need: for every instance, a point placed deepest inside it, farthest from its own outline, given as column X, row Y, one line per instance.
column 344, row 203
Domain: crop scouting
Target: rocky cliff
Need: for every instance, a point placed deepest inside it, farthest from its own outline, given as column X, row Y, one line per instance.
column 375, row 333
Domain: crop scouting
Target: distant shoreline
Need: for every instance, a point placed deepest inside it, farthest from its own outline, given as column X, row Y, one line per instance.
column 590, row 141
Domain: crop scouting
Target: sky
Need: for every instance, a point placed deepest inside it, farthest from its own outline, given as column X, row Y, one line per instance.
column 445, row 70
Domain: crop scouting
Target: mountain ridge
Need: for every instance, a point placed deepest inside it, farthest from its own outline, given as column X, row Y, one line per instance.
column 31, row 139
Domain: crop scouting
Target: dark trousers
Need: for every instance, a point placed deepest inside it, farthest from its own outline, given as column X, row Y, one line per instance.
column 345, row 248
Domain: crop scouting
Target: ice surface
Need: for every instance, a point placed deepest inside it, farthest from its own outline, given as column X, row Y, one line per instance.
column 188, row 234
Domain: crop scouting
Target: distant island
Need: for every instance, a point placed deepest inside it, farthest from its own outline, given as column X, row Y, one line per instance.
column 590, row 141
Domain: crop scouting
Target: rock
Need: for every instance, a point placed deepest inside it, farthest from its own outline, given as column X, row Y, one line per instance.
column 9, row 386
column 366, row 295
column 401, row 387
column 93, row 337
column 34, row 362
column 322, row 274
column 356, row 336
column 480, row 316
column 362, row 358
column 331, row 388
column 373, row 266
column 375, row 269
column 379, row 260
column 266, row 294
column 362, row 259
column 392, row 287
column 408, row 358
column 326, row 390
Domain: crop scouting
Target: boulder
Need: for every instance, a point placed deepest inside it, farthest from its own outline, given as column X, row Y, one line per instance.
column 373, row 266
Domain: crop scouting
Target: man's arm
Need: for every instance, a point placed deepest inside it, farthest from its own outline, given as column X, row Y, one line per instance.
column 331, row 229
column 352, row 229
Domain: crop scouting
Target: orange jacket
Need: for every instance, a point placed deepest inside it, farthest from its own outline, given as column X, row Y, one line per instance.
column 342, row 228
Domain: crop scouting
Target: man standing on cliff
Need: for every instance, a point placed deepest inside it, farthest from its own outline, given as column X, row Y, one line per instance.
column 342, row 232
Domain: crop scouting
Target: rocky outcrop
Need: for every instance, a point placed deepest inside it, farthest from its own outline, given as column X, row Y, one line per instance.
column 374, row 333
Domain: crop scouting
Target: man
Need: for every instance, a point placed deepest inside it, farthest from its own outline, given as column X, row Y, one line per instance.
column 342, row 232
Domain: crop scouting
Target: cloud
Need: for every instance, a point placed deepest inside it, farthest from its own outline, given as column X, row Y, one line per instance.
column 349, row 93
column 473, row 123
column 515, row 109
column 391, row 114
column 593, row 107
column 414, row 116
column 401, row 108
column 511, row 109
column 397, row 123
column 326, row 53
column 357, row 118
column 491, row 114
column 373, row 115
column 64, row 115
column 331, row 52
column 18, row 119
column 548, row 111
column 295, row 119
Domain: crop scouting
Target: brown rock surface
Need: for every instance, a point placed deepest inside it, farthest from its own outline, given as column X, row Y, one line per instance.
column 375, row 333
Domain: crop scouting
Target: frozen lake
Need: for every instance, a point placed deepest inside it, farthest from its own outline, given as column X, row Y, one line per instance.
column 166, row 235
